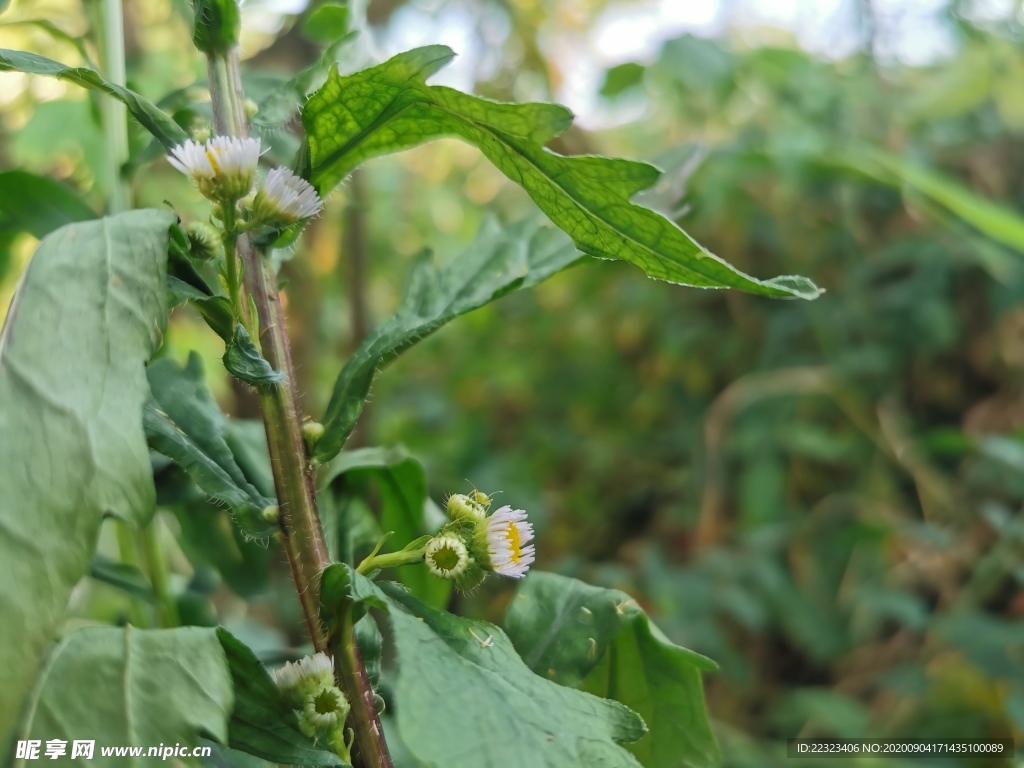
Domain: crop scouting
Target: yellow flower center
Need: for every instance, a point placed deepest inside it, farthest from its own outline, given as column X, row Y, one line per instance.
column 212, row 157
column 514, row 542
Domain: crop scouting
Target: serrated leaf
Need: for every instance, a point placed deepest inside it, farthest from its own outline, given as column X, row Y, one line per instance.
column 131, row 687
column 401, row 485
column 184, row 423
column 601, row 641
column 499, row 260
column 464, row 697
column 88, row 313
column 244, row 361
column 262, row 723
column 389, row 108
column 152, row 118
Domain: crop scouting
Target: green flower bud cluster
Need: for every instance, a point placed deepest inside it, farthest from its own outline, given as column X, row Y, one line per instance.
column 476, row 542
column 308, row 687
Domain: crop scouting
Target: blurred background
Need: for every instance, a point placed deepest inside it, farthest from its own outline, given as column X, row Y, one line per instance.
column 824, row 497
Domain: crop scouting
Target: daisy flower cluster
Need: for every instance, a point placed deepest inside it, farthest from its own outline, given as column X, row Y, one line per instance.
column 307, row 685
column 223, row 169
column 476, row 542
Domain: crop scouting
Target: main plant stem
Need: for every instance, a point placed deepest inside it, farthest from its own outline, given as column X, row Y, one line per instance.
column 302, row 534
column 110, row 28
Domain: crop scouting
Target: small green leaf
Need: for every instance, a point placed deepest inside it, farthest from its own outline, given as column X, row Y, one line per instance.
column 244, row 361
column 622, row 78
column 281, row 104
column 88, row 313
column 131, row 687
column 500, row 260
column 389, row 108
column 184, row 423
column 128, row 578
column 326, row 23
column 601, row 641
column 401, row 485
column 464, row 697
column 262, row 723
column 153, row 119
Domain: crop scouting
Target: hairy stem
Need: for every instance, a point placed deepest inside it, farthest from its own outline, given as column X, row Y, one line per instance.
column 301, row 532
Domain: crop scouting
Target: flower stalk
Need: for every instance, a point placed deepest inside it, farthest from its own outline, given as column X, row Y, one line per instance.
column 301, row 533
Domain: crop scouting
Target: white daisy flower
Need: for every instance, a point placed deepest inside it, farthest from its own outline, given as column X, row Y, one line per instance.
column 285, row 198
column 222, row 168
column 507, row 532
column 310, row 673
column 446, row 556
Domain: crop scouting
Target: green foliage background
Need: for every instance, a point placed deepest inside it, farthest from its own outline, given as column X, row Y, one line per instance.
column 823, row 497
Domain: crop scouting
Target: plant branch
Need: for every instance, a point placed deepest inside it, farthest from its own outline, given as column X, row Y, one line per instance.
column 301, row 532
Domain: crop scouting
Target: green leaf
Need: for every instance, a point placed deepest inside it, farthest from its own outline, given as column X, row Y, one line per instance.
column 262, row 723
column 499, row 260
column 600, row 640
column 127, row 578
column 126, row 686
column 326, row 23
column 184, row 423
column 997, row 221
column 37, row 205
column 153, row 119
column 87, row 315
column 389, row 108
column 244, row 361
column 622, row 78
column 280, row 105
column 464, row 697
column 208, row 535
column 184, row 283
column 401, row 485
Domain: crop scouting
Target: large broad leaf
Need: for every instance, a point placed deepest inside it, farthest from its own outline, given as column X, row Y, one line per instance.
column 184, row 423
column 153, row 119
column 401, row 485
column 464, row 697
column 130, row 687
column 499, row 261
column 389, row 108
column 87, row 315
column 600, row 640
column 262, row 723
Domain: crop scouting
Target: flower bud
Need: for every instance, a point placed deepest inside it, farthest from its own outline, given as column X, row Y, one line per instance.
column 446, row 556
column 463, row 507
column 312, row 431
column 218, row 23
column 203, row 242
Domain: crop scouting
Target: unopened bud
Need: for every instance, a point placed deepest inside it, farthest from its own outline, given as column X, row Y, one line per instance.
column 312, row 431
column 463, row 507
column 203, row 242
